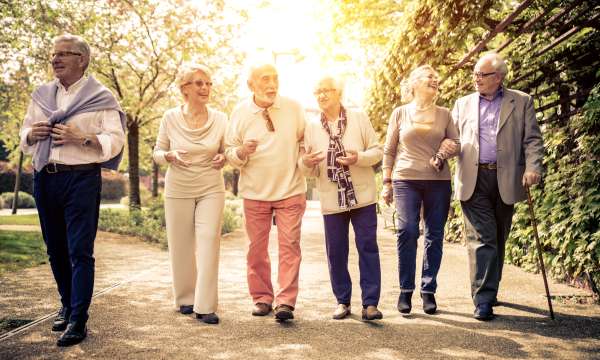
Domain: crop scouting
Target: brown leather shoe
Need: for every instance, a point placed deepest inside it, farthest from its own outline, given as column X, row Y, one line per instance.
column 371, row 313
column 261, row 309
column 284, row 312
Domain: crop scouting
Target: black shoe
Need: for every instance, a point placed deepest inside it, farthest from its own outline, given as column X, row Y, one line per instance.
column 211, row 318
column 75, row 333
column 186, row 309
column 484, row 312
column 261, row 309
column 61, row 320
column 404, row 302
column 284, row 312
column 429, row 304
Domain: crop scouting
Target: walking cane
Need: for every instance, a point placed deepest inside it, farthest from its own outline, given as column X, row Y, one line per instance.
column 539, row 248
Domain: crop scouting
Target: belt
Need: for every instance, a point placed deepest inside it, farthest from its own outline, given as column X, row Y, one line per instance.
column 489, row 166
column 53, row 168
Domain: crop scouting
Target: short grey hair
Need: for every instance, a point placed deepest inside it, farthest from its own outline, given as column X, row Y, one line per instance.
column 257, row 65
column 496, row 61
column 188, row 70
column 79, row 43
column 337, row 82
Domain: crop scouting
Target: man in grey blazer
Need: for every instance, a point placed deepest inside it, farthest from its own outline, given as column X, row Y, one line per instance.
column 501, row 152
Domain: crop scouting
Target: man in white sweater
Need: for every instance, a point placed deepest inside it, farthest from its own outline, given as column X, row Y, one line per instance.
column 264, row 140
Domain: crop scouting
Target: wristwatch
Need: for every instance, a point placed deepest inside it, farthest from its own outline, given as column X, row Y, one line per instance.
column 86, row 141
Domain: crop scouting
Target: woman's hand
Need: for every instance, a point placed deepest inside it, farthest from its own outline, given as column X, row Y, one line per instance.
column 178, row 157
column 218, row 161
column 310, row 159
column 350, row 159
column 387, row 194
column 448, row 148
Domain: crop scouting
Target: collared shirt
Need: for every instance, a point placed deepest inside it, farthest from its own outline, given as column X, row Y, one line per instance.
column 271, row 173
column 106, row 125
column 489, row 115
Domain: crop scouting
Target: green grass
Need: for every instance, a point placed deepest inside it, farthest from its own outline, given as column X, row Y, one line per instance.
column 31, row 219
column 21, row 249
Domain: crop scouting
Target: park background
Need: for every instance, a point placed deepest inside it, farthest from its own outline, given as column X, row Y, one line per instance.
column 552, row 49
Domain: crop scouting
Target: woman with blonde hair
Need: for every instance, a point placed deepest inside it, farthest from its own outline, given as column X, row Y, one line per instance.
column 191, row 141
column 420, row 137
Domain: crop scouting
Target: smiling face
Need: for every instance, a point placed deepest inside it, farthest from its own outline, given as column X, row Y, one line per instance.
column 426, row 83
column 68, row 63
column 327, row 94
column 197, row 89
column 264, row 84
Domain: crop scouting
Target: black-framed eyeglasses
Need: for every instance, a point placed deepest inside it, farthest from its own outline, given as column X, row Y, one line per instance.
column 199, row 83
column 63, row 54
column 481, row 75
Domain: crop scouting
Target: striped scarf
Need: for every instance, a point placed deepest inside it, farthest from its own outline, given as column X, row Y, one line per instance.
column 337, row 172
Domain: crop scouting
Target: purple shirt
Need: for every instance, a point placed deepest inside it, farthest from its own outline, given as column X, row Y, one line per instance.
column 489, row 113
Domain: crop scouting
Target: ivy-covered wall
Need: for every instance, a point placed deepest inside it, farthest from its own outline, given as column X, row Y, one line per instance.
column 552, row 49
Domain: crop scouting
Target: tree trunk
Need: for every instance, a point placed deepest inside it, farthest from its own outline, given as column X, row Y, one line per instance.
column 154, row 179
column 15, row 203
column 234, row 182
column 133, row 140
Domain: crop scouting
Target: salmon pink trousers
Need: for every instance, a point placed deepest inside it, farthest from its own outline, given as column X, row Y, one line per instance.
column 258, row 219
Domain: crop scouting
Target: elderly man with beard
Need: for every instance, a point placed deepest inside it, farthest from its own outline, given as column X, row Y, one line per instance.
column 264, row 140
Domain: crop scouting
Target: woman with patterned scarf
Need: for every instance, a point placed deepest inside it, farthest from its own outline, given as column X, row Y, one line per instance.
column 341, row 149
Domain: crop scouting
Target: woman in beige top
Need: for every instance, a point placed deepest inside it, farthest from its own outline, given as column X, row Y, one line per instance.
column 191, row 141
column 420, row 137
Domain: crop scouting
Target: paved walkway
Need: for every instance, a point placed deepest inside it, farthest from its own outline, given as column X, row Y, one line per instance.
column 136, row 320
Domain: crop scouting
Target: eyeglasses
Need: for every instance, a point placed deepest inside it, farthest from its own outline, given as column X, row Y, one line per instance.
column 63, row 54
column 323, row 91
column 199, row 83
column 267, row 117
column 481, row 75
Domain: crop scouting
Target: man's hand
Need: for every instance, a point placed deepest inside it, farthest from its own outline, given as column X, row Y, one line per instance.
column 39, row 131
column 311, row 159
column 531, row 178
column 218, row 161
column 247, row 148
column 66, row 134
column 178, row 157
column 387, row 194
column 350, row 159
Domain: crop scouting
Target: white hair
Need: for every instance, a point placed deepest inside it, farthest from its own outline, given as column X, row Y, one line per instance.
column 254, row 67
column 496, row 61
column 80, row 45
column 337, row 82
column 407, row 85
column 188, row 70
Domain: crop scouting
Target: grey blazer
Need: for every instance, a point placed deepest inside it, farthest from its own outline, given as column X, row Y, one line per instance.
column 519, row 145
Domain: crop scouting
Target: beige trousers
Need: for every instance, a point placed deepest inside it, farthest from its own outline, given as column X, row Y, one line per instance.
column 193, row 235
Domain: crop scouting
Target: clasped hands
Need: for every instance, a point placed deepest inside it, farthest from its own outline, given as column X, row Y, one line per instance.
column 61, row 133
column 310, row 159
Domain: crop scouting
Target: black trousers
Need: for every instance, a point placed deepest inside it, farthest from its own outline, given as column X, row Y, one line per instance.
column 487, row 224
column 68, row 205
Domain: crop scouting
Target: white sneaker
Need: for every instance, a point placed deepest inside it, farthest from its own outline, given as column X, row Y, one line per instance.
column 341, row 312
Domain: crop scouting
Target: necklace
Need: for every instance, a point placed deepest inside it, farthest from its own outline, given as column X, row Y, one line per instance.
column 423, row 108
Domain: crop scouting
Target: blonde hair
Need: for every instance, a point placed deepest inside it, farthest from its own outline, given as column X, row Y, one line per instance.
column 188, row 70
column 407, row 85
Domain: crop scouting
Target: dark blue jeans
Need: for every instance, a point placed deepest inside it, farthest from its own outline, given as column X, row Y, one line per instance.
column 364, row 222
column 435, row 197
column 68, row 205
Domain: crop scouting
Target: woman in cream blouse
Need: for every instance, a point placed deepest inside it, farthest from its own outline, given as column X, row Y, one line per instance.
column 190, row 140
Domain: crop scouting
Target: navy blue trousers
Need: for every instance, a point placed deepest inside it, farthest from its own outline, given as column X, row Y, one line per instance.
column 435, row 197
column 68, row 205
column 364, row 222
